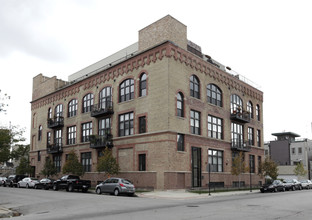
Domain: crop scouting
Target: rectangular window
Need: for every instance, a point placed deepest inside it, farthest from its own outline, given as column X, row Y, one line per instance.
column 180, row 142
column 57, row 162
column 58, row 138
column 259, row 164
column 142, row 162
column 39, row 155
column 48, row 138
column 86, row 161
column 126, row 124
column 299, row 150
column 142, row 124
column 86, row 131
column 104, row 127
column 71, row 135
column 195, row 122
column 237, row 135
column 293, row 150
column 252, row 163
column 215, row 127
column 251, row 136
column 215, row 159
column 258, row 138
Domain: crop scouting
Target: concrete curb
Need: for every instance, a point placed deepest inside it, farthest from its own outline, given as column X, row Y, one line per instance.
column 5, row 213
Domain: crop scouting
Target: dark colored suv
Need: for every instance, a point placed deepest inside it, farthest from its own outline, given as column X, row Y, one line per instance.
column 12, row 180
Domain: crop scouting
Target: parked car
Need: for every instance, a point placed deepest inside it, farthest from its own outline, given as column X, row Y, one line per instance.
column 275, row 186
column 2, row 180
column 28, row 182
column 115, row 186
column 12, row 180
column 292, row 184
column 306, row 184
column 45, row 183
column 72, row 182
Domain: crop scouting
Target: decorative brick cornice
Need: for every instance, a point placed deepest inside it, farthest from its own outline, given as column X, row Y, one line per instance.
column 166, row 49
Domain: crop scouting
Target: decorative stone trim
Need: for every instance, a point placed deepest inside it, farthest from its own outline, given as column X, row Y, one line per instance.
column 166, row 49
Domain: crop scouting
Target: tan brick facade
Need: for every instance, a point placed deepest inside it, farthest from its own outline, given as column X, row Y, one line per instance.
column 168, row 68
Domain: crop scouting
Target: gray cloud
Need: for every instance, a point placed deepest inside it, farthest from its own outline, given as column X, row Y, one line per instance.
column 22, row 29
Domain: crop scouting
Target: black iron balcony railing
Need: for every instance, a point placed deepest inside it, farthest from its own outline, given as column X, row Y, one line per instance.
column 101, row 141
column 240, row 145
column 241, row 116
column 102, row 109
column 54, row 148
column 57, row 121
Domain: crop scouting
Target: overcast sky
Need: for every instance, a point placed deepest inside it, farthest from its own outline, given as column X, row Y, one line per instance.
column 268, row 41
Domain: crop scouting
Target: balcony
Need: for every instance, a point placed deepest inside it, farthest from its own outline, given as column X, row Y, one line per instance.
column 238, row 145
column 101, row 141
column 54, row 148
column 56, row 122
column 243, row 117
column 102, row 109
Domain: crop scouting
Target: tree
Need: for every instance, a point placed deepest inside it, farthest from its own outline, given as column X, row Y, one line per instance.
column 238, row 166
column 107, row 163
column 21, row 151
column 299, row 170
column 72, row 165
column 9, row 137
column 48, row 168
column 23, row 167
column 268, row 168
column 3, row 102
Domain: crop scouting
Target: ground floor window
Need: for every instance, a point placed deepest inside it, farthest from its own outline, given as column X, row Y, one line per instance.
column 142, row 162
column 86, row 161
column 57, row 162
column 215, row 159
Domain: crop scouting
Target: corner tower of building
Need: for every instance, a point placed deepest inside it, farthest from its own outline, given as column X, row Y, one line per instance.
column 165, row 29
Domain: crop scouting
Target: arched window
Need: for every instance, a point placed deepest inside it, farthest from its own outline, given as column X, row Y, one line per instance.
column 40, row 133
column 194, row 87
column 58, row 111
column 143, row 85
column 258, row 112
column 72, row 108
column 250, row 108
column 214, row 95
column 87, row 102
column 106, row 98
column 236, row 104
column 180, row 105
column 50, row 113
column 126, row 90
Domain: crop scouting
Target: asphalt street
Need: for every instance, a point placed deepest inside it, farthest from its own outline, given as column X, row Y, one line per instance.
column 41, row 204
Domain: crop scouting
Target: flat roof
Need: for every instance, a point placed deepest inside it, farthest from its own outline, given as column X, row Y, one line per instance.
column 292, row 134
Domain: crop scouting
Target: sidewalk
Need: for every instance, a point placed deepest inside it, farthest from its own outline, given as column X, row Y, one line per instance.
column 183, row 194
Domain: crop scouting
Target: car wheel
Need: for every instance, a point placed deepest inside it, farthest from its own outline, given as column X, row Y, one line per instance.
column 293, row 188
column 275, row 189
column 18, row 185
column 98, row 191
column 284, row 189
column 70, row 188
column 116, row 192
column 35, row 187
column 46, row 187
column 27, row 186
column 55, row 188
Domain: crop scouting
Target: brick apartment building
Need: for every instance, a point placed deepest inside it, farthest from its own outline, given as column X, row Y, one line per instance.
column 165, row 109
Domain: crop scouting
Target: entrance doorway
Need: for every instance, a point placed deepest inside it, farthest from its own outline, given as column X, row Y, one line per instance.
column 196, row 167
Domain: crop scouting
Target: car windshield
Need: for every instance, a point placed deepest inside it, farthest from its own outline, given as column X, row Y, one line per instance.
column 288, row 181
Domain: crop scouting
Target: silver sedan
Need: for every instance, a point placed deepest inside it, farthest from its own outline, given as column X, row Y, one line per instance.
column 28, row 182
